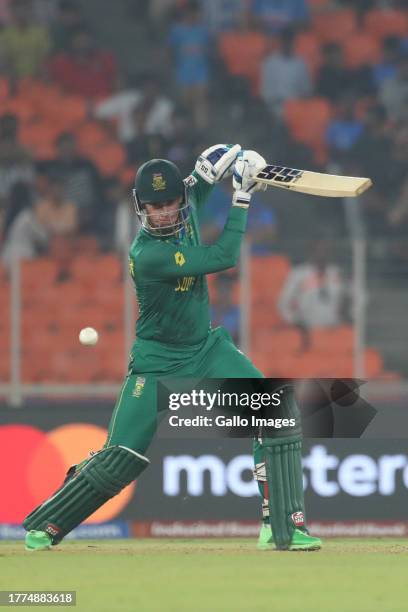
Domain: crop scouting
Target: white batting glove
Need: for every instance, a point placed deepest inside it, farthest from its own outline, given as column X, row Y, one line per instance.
column 217, row 162
column 241, row 199
column 248, row 164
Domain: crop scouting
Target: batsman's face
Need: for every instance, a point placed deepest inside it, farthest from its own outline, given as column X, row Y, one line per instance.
column 163, row 214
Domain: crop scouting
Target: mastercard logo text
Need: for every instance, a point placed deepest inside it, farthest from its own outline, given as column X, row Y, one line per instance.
column 33, row 465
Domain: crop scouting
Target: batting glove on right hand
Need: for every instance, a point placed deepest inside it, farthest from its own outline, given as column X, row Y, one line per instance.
column 247, row 166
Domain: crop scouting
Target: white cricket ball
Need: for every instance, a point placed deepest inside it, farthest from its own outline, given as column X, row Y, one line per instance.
column 88, row 336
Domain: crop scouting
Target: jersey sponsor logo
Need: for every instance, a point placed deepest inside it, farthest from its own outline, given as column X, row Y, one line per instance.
column 190, row 181
column 53, row 530
column 140, row 383
column 179, row 257
column 298, row 518
column 158, row 182
column 185, row 283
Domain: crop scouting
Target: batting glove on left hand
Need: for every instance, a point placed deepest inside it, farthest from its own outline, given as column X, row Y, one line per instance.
column 217, row 162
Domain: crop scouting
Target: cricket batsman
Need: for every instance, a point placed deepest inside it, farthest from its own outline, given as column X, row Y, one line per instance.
column 174, row 337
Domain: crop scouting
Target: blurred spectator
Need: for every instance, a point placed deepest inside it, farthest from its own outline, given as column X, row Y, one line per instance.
column 60, row 217
column 223, row 311
column 181, row 149
column 223, row 14
column 68, row 19
column 51, row 216
column 243, row 49
column 25, row 235
column 393, row 92
column 384, row 161
column 314, row 293
column 262, row 222
column 397, row 214
column 15, row 161
column 84, row 69
column 276, row 15
column 138, row 112
column 117, row 222
column 82, row 182
column 284, row 75
column 344, row 130
column 58, row 214
column 189, row 39
column 23, row 45
column 387, row 68
column 371, row 152
column 142, row 148
column 333, row 78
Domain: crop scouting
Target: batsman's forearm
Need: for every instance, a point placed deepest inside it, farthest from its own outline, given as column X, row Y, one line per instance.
column 229, row 243
column 167, row 260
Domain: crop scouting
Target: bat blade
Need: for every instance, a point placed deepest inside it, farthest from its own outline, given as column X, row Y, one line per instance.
column 313, row 183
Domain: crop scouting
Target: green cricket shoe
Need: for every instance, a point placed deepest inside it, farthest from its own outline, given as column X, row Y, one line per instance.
column 37, row 540
column 265, row 539
column 300, row 540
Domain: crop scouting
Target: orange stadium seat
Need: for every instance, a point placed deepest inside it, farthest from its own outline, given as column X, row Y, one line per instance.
column 338, row 339
column 109, row 157
column 21, row 107
column 87, row 245
column 361, row 49
column 104, row 269
column 90, row 135
column 243, row 53
column 32, row 88
column 272, row 269
column 373, row 363
column 264, row 317
column 38, row 273
column 334, row 26
column 307, row 45
column 38, row 134
column 69, row 114
column 308, row 119
column 386, row 22
column 277, row 341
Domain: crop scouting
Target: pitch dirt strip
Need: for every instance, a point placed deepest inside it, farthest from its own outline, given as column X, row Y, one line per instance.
column 333, row 546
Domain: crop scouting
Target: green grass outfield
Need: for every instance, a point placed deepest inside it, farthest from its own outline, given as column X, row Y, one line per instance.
column 214, row 575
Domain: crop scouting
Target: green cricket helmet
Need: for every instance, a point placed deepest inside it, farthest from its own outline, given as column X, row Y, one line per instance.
column 159, row 180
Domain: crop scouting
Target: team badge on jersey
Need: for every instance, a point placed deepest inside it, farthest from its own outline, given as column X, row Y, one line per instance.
column 158, row 183
column 140, row 383
column 179, row 257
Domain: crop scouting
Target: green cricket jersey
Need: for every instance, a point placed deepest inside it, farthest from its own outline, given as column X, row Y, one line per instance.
column 169, row 275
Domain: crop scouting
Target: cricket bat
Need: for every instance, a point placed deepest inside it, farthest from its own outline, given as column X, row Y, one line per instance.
column 314, row 183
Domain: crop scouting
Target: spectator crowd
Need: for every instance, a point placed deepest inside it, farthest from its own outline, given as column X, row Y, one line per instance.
column 318, row 84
